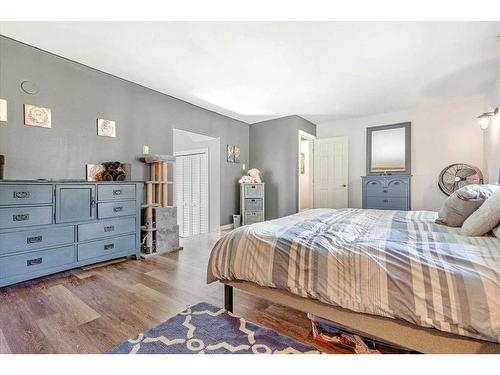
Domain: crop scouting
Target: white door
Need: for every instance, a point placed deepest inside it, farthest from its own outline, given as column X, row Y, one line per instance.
column 330, row 172
column 192, row 194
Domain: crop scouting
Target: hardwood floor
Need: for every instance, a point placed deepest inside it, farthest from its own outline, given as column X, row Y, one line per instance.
column 92, row 311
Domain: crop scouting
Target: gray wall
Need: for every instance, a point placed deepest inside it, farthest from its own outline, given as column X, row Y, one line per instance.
column 78, row 95
column 274, row 151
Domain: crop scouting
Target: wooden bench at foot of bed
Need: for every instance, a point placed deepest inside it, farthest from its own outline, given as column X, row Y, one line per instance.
column 397, row 332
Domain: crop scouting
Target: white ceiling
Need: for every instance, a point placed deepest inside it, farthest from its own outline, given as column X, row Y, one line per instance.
column 257, row 71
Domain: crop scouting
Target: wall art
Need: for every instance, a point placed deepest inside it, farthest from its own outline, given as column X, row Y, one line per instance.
column 106, row 128
column 37, row 116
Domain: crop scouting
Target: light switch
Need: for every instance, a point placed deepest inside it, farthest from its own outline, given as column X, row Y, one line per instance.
column 242, row 167
column 145, row 150
column 3, row 110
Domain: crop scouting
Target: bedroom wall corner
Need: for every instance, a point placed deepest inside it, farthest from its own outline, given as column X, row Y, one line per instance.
column 273, row 150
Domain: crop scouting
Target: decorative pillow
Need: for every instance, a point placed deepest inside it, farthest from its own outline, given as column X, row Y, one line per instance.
column 462, row 203
column 485, row 218
column 496, row 231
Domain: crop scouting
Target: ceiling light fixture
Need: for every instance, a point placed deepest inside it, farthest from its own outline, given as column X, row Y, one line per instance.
column 484, row 119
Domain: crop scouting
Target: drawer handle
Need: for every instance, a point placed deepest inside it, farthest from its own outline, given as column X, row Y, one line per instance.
column 253, row 187
column 385, row 191
column 373, row 183
column 34, row 262
column 396, row 183
column 109, row 246
column 109, row 228
column 386, row 200
column 22, row 194
column 117, row 192
column 20, row 217
column 34, row 239
column 118, row 209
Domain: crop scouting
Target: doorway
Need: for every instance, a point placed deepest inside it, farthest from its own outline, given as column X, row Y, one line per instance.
column 306, row 171
column 197, row 182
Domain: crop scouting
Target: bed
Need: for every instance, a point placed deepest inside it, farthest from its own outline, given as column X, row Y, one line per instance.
column 392, row 275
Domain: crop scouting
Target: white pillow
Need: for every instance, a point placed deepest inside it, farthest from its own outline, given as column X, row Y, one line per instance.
column 496, row 231
column 485, row 218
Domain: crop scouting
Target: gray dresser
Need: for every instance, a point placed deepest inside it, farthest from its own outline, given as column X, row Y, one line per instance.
column 252, row 203
column 387, row 192
column 48, row 227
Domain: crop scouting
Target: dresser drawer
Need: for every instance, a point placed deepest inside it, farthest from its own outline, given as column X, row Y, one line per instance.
column 386, row 203
column 35, row 261
column 15, row 217
column 115, row 209
column 115, row 192
column 253, row 204
column 25, row 194
column 105, row 247
column 391, row 189
column 254, row 191
column 34, row 239
column 253, row 217
column 105, row 228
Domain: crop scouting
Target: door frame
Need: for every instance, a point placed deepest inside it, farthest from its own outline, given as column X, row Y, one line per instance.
column 195, row 152
column 310, row 137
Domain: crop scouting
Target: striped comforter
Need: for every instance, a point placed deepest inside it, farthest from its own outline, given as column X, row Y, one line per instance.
column 395, row 264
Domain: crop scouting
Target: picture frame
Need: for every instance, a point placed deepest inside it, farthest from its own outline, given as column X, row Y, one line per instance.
column 106, row 128
column 37, row 116
column 236, row 151
column 302, row 163
column 230, row 153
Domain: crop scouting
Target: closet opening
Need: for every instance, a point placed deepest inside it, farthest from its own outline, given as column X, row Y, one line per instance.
column 197, row 182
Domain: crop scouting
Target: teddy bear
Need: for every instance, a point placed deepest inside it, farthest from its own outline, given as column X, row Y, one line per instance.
column 253, row 177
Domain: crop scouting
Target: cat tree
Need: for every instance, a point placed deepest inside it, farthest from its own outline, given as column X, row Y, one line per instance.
column 160, row 229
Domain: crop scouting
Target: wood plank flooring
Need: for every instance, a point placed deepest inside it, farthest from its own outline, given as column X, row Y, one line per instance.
column 93, row 311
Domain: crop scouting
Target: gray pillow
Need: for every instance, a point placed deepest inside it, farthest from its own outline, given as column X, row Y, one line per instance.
column 484, row 219
column 462, row 203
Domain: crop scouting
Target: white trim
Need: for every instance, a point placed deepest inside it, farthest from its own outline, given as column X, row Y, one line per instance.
column 310, row 137
column 227, row 227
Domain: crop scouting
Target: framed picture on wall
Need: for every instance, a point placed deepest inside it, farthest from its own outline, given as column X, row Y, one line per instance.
column 37, row 116
column 230, row 153
column 236, row 154
column 302, row 163
column 106, row 128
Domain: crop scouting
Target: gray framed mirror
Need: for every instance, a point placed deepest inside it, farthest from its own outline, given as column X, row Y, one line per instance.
column 388, row 149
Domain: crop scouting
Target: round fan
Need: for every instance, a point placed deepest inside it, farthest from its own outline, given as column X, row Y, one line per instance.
column 454, row 176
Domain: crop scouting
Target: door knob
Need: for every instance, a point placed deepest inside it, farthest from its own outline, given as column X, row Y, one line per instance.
column 343, row 185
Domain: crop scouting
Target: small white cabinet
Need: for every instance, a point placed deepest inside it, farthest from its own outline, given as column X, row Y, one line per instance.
column 252, row 203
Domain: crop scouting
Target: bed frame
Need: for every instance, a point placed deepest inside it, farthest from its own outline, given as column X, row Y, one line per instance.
column 395, row 332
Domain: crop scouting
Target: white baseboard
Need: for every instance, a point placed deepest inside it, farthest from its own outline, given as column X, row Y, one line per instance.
column 227, row 227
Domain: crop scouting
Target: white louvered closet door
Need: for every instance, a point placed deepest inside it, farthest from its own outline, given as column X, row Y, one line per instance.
column 192, row 194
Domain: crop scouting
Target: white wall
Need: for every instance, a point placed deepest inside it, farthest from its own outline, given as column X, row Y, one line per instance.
column 492, row 135
column 441, row 135
column 186, row 141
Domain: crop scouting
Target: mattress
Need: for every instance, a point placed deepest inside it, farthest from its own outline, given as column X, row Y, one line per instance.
column 396, row 264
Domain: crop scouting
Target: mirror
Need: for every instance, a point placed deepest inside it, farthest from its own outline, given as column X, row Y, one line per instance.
column 388, row 149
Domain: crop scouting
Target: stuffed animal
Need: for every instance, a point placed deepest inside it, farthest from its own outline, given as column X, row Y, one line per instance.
column 255, row 175
column 245, row 180
column 252, row 178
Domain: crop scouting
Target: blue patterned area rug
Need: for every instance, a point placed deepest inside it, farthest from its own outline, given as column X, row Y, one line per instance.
column 207, row 329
